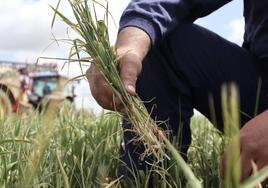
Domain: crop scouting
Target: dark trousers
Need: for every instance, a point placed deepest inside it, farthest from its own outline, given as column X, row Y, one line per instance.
column 180, row 74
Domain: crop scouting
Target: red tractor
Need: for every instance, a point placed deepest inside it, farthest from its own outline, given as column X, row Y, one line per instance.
column 26, row 86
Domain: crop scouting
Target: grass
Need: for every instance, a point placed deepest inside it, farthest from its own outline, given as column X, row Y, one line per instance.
column 81, row 150
column 77, row 150
column 64, row 148
column 205, row 152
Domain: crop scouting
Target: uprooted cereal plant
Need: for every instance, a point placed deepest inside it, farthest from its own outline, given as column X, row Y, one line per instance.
column 94, row 42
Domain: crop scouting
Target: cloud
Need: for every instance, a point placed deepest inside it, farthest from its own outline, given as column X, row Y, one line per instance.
column 25, row 34
column 25, row 27
column 237, row 30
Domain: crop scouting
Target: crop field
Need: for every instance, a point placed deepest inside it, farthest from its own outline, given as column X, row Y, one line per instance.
column 61, row 147
column 78, row 149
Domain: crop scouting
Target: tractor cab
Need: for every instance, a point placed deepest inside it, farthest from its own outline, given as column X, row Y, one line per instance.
column 47, row 84
column 23, row 86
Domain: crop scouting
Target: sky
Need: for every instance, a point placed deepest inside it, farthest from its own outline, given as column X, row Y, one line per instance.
column 26, row 34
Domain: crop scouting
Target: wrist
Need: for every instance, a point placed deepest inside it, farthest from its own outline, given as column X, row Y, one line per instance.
column 133, row 40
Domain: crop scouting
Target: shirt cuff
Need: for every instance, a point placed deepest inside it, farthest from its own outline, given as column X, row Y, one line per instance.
column 142, row 24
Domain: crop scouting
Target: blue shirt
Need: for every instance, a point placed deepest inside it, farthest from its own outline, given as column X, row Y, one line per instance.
column 160, row 17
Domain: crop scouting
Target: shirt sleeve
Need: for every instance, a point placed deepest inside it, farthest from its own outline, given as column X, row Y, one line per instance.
column 159, row 17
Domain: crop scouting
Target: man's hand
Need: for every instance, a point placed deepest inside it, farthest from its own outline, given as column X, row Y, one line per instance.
column 254, row 145
column 132, row 46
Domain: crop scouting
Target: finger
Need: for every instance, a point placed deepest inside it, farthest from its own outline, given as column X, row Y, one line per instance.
column 94, row 77
column 108, row 103
column 117, row 104
column 105, row 97
column 261, row 164
column 101, row 91
column 225, row 160
column 223, row 165
column 130, row 68
column 258, row 166
column 246, row 166
column 89, row 73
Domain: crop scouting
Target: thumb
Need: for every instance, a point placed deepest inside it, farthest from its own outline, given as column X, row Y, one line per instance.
column 130, row 68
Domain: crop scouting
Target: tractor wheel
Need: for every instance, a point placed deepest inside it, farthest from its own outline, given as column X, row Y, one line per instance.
column 5, row 105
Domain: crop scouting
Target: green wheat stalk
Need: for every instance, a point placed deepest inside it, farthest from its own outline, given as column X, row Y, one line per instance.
column 95, row 43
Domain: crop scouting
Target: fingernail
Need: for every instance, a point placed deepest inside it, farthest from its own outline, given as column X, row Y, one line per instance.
column 131, row 88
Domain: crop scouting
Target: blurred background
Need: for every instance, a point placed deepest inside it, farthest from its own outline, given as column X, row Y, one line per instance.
column 26, row 34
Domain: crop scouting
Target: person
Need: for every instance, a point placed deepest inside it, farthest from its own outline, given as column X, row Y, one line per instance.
column 177, row 66
column 25, row 86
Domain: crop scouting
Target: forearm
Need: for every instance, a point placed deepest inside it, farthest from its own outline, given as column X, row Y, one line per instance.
column 158, row 18
column 133, row 40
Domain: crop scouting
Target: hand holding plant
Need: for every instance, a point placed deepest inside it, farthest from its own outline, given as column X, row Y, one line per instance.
column 114, row 74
